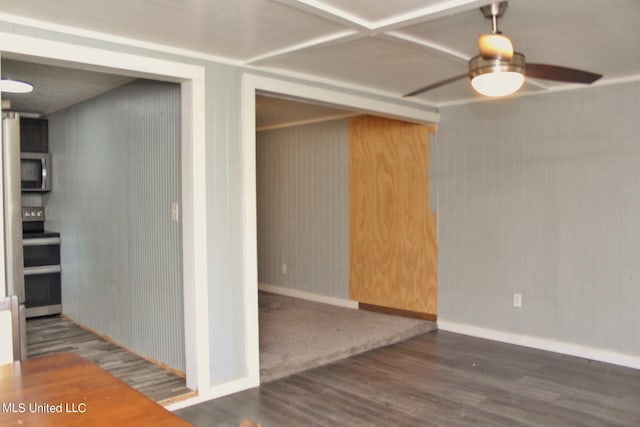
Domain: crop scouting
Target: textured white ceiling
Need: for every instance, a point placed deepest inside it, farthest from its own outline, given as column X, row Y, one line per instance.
column 389, row 47
column 55, row 88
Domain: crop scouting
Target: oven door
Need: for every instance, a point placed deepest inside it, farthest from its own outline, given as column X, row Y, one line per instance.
column 42, row 281
column 38, row 252
column 42, row 291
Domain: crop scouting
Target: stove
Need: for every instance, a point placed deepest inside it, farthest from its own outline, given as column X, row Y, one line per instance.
column 33, row 218
column 42, row 271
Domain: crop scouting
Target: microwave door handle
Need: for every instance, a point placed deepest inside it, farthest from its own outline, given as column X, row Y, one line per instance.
column 43, row 186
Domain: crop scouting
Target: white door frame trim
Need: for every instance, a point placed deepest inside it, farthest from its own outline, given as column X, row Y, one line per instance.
column 194, row 255
column 251, row 84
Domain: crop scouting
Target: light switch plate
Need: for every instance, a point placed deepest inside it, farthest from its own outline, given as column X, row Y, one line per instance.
column 517, row 300
column 175, row 212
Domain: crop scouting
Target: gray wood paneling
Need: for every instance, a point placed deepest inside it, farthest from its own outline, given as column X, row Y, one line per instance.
column 115, row 174
column 303, row 207
column 540, row 195
column 224, row 225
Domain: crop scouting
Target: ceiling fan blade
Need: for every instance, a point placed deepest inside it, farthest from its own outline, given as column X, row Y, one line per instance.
column 436, row 85
column 561, row 74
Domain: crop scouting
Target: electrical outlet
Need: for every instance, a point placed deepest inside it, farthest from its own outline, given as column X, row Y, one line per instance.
column 284, row 268
column 517, row 300
column 175, row 212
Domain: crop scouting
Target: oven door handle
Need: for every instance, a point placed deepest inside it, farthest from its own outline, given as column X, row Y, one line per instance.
column 41, row 241
column 47, row 269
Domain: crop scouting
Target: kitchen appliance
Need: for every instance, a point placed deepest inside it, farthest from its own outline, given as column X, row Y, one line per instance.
column 14, row 273
column 35, row 172
column 42, row 271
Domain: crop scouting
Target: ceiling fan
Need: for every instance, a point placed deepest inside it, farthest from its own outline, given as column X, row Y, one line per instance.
column 499, row 71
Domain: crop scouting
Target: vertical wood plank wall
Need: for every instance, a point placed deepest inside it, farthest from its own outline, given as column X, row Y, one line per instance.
column 302, row 193
column 540, row 195
column 116, row 172
column 392, row 238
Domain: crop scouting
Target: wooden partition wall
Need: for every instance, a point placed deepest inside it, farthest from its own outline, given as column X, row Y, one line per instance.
column 392, row 237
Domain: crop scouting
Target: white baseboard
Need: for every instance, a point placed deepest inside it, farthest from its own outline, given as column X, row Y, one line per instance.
column 281, row 290
column 214, row 392
column 570, row 349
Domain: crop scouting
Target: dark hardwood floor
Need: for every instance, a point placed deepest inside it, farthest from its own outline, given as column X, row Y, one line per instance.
column 439, row 379
column 55, row 334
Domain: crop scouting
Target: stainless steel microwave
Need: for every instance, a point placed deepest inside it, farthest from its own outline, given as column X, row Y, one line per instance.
column 35, row 172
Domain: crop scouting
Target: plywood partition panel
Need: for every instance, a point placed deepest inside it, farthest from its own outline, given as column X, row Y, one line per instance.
column 392, row 237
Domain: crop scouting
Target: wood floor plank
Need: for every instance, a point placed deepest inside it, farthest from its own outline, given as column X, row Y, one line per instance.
column 439, row 379
column 81, row 393
column 54, row 334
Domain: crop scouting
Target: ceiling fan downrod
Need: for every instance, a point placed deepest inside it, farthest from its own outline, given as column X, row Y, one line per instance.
column 495, row 45
column 494, row 11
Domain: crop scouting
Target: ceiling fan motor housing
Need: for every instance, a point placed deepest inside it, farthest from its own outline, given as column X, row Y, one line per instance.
column 479, row 65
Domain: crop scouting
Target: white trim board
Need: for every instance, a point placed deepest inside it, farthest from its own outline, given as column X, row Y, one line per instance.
column 192, row 141
column 570, row 349
column 214, row 392
column 111, row 38
column 306, row 122
column 6, row 337
column 334, row 97
column 296, row 293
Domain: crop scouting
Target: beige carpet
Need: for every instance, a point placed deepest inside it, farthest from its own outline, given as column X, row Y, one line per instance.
column 296, row 335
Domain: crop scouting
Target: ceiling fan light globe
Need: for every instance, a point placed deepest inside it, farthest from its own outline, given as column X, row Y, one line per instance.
column 15, row 86
column 496, row 84
column 495, row 46
column 498, row 76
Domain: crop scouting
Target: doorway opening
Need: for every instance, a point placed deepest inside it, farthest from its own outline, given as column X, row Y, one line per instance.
column 306, row 316
column 191, row 165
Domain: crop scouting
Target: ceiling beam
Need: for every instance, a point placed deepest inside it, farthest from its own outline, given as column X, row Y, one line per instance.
column 341, row 17
column 360, row 27
column 328, row 12
column 427, row 44
column 429, row 13
column 331, row 39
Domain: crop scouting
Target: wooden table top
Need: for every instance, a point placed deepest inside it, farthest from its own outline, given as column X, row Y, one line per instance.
column 65, row 389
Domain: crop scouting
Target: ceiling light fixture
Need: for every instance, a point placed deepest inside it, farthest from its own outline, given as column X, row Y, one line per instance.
column 499, row 71
column 15, row 86
column 497, row 77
